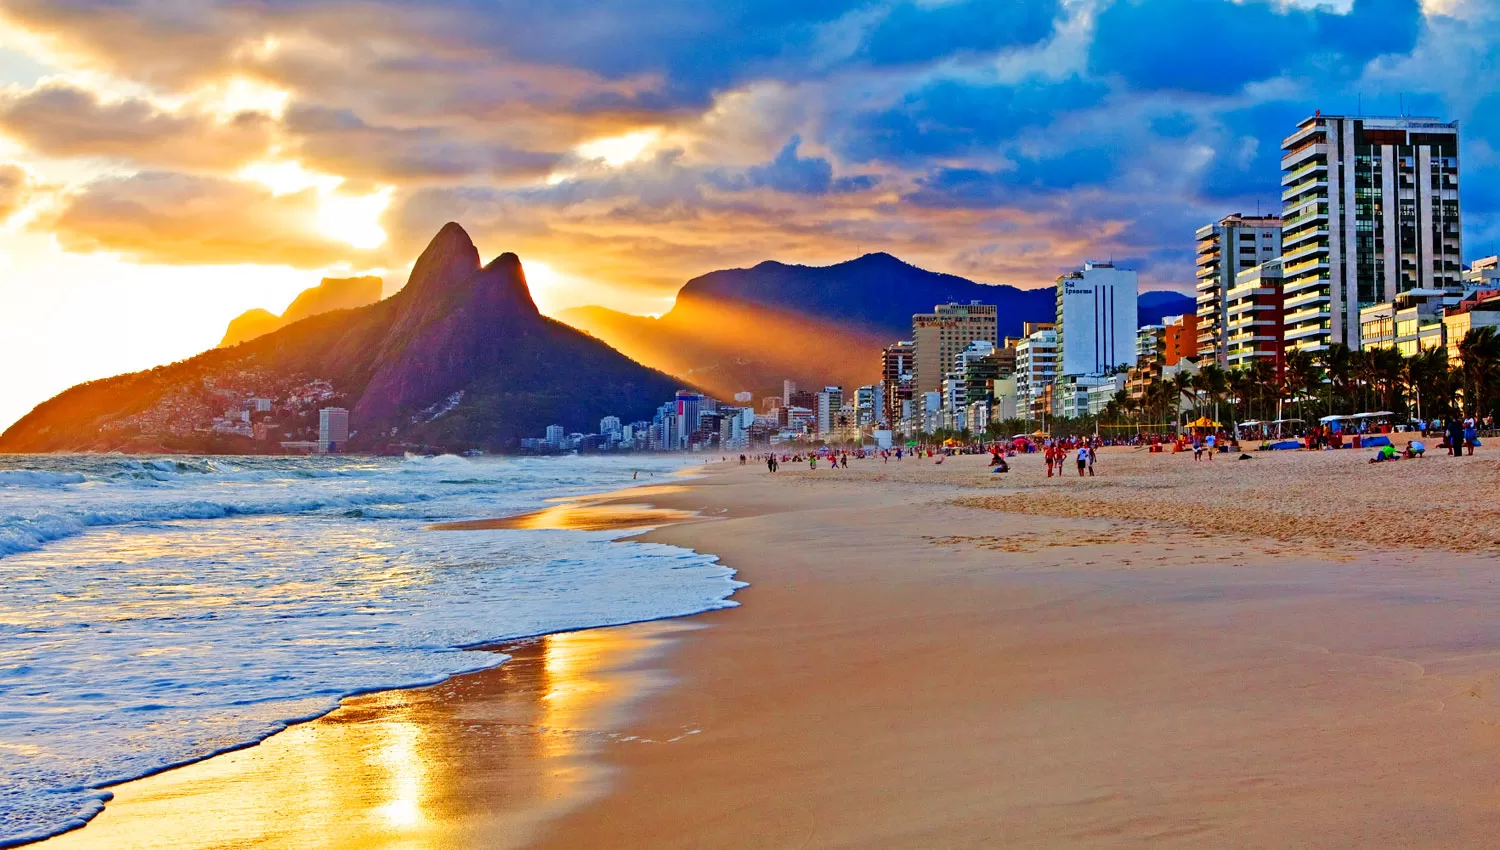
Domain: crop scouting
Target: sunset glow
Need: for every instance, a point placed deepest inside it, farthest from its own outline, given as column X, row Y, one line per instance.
column 619, row 163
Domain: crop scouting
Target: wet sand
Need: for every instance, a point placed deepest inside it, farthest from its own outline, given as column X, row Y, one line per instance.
column 577, row 516
column 932, row 656
column 482, row 760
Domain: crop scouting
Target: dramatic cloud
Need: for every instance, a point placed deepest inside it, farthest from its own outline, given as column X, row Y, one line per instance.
column 634, row 143
column 170, row 218
column 62, row 120
column 1220, row 46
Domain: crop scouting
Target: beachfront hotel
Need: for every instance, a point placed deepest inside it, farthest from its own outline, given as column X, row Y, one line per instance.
column 1225, row 248
column 1096, row 319
column 941, row 335
column 1370, row 210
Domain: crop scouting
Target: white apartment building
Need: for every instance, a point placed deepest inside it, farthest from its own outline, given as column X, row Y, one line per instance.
column 1036, row 367
column 1369, row 210
column 1225, row 248
column 1096, row 319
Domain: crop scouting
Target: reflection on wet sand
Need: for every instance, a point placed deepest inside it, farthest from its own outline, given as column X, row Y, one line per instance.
column 481, row 760
column 577, row 516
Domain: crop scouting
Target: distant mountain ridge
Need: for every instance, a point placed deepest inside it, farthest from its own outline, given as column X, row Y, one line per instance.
column 458, row 358
column 332, row 293
column 747, row 329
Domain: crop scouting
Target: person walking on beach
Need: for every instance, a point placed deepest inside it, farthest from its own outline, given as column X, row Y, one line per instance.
column 1471, row 435
column 1083, row 459
column 1208, row 445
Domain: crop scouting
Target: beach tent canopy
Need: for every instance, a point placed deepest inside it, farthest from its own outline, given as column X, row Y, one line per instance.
column 1326, row 419
column 1248, row 423
column 1203, row 422
column 1038, row 433
column 911, row 442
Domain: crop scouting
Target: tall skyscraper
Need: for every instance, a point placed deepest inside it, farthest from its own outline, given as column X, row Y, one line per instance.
column 1096, row 319
column 333, row 429
column 1226, row 248
column 940, row 335
column 1369, row 210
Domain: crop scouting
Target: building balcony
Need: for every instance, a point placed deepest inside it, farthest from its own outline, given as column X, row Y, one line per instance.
column 1311, row 338
column 1292, row 176
column 1303, row 236
column 1306, row 209
column 1303, row 299
column 1299, row 155
column 1315, row 264
column 1312, row 188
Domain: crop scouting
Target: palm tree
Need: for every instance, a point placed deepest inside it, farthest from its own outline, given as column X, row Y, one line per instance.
column 1301, row 376
column 1427, row 377
column 1182, row 384
column 1213, row 382
column 1479, row 368
column 1338, row 367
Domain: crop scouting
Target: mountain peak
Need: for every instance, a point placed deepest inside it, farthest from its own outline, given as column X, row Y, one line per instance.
column 448, row 259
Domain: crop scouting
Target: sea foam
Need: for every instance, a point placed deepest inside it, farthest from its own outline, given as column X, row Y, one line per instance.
column 159, row 611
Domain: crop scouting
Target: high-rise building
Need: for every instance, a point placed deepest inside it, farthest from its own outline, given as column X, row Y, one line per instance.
column 689, row 406
column 943, row 333
column 788, row 386
column 1036, row 365
column 333, row 429
column 1369, row 210
column 1254, row 317
column 830, row 403
column 897, row 374
column 1226, row 248
column 1096, row 319
column 556, row 436
column 611, row 429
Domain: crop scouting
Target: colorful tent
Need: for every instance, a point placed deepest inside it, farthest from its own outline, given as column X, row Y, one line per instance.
column 1204, row 422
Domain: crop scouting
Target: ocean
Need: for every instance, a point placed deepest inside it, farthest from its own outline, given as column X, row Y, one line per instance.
column 159, row 610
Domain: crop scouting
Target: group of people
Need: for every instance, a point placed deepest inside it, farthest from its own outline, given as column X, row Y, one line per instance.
column 1083, row 450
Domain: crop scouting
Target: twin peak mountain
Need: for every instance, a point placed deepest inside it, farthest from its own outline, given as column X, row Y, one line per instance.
column 461, row 358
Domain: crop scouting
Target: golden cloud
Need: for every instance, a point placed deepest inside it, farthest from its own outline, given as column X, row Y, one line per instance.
column 62, row 120
column 181, row 219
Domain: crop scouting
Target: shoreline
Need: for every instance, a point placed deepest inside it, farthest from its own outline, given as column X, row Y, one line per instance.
column 572, row 512
column 909, row 672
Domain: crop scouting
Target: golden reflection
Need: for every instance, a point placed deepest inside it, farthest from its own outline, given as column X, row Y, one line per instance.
column 481, row 760
column 574, row 516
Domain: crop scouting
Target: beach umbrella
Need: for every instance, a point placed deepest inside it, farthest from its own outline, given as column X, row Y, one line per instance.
column 1038, row 433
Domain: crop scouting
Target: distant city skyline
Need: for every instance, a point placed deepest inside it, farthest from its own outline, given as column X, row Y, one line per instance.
column 161, row 173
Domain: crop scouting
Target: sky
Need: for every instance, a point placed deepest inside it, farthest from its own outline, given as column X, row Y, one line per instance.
column 168, row 164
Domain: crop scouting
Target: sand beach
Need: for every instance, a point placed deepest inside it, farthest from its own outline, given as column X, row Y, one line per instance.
column 1297, row 650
